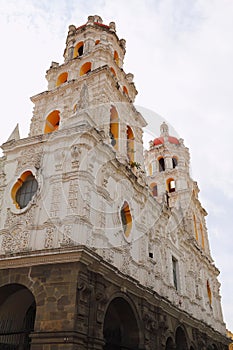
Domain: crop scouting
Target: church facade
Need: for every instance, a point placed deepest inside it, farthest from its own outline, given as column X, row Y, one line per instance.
column 102, row 245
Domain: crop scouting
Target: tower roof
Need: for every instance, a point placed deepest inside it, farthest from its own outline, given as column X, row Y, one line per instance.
column 165, row 137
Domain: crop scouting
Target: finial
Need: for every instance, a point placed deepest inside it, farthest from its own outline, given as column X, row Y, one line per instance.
column 164, row 130
column 90, row 20
column 129, row 77
column 15, row 134
column 123, row 43
column 98, row 19
column 112, row 26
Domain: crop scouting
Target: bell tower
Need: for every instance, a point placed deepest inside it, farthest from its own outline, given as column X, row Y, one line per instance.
column 167, row 164
column 92, row 87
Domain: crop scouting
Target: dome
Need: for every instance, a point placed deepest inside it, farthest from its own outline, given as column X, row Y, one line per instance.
column 160, row 140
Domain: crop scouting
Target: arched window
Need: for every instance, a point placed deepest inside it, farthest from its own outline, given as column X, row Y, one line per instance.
column 86, row 68
column 130, row 144
column 195, row 226
column 209, row 293
column 62, row 78
column 78, row 50
column 116, row 57
column 175, row 272
column 154, row 189
column 52, row 122
column 24, row 189
column 161, row 164
column 114, row 127
column 174, row 162
column 126, row 219
column 171, row 185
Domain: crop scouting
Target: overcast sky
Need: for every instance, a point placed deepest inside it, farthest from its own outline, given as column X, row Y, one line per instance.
column 181, row 54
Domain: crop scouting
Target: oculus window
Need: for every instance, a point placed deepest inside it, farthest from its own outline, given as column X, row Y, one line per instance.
column 24, row 190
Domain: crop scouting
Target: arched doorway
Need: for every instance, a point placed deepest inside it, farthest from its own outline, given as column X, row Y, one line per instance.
column 17, row 317
column 120, row 326
column 181, row 342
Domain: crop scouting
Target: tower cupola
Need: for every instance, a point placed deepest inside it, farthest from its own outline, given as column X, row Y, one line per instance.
column 167, row 164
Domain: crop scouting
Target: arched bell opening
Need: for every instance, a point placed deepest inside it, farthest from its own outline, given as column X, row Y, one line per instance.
column 171, row 185
column 130, row 144
column 125, row 90
column 154, row 189
column 62, row 78
column 113, row 71
column 52, row 122
column 120, row 326
column 17, row 316
column 116, row 57
column 126, row 219
column 114, row 127
column 174, row 162
column 161, row 164
column 78, row 49
column 86, row 68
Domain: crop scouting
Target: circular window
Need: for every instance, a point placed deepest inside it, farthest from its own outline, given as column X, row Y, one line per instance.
column 24, row 189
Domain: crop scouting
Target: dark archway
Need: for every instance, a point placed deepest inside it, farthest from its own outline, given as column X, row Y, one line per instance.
column 181, row 342
column 170, row 344
column 17, row 317
column 120, row 326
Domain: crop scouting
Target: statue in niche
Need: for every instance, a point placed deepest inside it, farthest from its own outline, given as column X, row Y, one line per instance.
column 84, row 98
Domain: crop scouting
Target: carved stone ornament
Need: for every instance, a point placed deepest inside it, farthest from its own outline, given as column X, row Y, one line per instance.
column 84, row 98
column 30, row 157
column 66, row 237
column 24, row 219
column 49, row 238
column 16, row 241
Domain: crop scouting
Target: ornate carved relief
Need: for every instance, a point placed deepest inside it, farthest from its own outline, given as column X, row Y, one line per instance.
column 30, row 156
column 72, row 197
column 59, row 157
column 24, row 219
column 126, row 259
column 16, row 241
column 56, row 200
column 101, row 301
column 2, row 176
column 75, row 155
column 66, row 237
column 108, row 254
column 84, row 98
column 49, row 238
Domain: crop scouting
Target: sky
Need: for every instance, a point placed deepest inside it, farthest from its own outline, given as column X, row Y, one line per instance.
column 181, row 55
